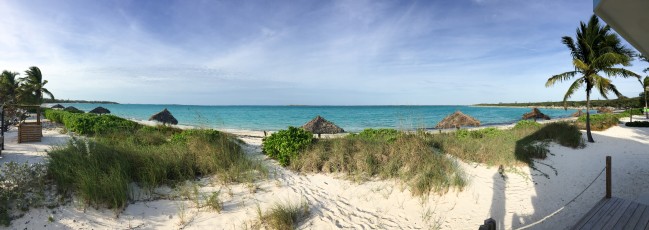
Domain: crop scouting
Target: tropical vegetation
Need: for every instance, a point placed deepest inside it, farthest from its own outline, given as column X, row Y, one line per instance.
column 16, row 90
column 596, row 49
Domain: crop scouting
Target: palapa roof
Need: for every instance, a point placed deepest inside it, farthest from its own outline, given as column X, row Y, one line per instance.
column 578, row 113
column 100, row 110
column 72, row 109
column 58, row 106
column 320, row 125
column 457, row 120
column 604, row 110
column 165, row 117
column 535, row 114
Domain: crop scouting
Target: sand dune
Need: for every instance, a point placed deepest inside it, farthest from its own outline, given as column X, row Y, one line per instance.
column 523, row 198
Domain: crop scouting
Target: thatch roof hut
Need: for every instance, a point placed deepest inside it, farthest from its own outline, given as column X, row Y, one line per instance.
column 165, row 117
column 320, row 125
column 535, row 114
column 604, row 110
column 100, row 110
column 58, row 106
column 578, row 113
column 73, row 109
column 457, row 120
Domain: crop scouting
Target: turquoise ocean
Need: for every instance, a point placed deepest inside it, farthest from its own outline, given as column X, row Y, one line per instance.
column 350, row 118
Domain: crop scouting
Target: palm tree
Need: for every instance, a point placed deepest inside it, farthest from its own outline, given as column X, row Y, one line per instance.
column 9, row 87
column 645, row 84
column 596, row 49
column 33, row 86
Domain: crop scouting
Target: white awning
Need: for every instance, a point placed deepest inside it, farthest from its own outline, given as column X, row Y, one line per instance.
column 629, row 18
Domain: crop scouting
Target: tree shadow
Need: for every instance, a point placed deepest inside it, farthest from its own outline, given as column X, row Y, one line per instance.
column 564, row 173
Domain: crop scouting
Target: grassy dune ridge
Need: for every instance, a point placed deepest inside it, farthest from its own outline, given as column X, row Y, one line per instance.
column 425, row 162
column 100, row 169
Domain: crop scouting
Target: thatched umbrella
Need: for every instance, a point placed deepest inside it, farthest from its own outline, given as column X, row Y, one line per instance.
column 536, row 114
column 578, row 113
column 73, row 109
column 165, row 117
column 58, row 106
column 457, row 120
column 100, row 110
column 604, row 110
column 319, row 126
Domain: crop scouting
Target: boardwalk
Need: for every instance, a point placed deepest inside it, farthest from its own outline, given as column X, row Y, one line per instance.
column 616, row 213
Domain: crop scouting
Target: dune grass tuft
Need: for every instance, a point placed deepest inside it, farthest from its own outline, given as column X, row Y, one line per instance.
column 284, row 216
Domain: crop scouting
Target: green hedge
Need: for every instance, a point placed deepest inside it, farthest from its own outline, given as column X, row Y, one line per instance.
column 637, row 124
column 599, row 122
column 91, row 124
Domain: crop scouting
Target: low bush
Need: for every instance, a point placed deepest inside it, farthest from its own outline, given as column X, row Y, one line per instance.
column 524, row 124
column 91, row 124
column 637, row 124
column 285, row 145
column 480, row 133
column 378, row 134
column 598, row 122
column 22, row 186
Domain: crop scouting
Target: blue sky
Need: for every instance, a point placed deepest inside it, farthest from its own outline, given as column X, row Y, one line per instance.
column 296, row 52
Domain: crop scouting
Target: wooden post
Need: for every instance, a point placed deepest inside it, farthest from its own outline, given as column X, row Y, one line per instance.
column 608, row 176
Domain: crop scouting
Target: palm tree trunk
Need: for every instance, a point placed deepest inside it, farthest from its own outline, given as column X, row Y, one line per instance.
column 646, row 113
column 588, row 134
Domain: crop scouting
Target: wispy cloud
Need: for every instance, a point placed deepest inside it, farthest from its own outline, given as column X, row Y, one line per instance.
column 292, row 52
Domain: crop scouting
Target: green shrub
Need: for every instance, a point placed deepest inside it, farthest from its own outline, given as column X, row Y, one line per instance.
column 479, row 133
column 285, row 145
column 525, row 124
column 91, row 124
column 377, row 134
column 598, row 122
column 208, row 134
column 637, row 124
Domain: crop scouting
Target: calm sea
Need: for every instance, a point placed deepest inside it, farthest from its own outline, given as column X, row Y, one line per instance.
column 350, row 118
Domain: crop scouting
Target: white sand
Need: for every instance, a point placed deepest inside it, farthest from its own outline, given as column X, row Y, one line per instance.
column 524, row 198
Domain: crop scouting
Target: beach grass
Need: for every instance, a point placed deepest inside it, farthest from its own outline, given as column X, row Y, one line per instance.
column 384, row 154
column 426, row 162
column 509, row 147
column 284, row 216
column 100, row 170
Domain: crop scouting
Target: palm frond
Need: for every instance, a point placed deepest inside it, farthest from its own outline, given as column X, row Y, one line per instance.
column 46, row 91
column 620, row 72
column 572, row 89
column 560, row 77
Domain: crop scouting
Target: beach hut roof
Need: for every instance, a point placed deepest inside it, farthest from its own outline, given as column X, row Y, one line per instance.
column 58, row 106
column 100, row 110
column 535, row 114
column 165, row 117
column 320, row 125
column 604, row 110
column 457, row 120
column 578, row 113
column 72, row 109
